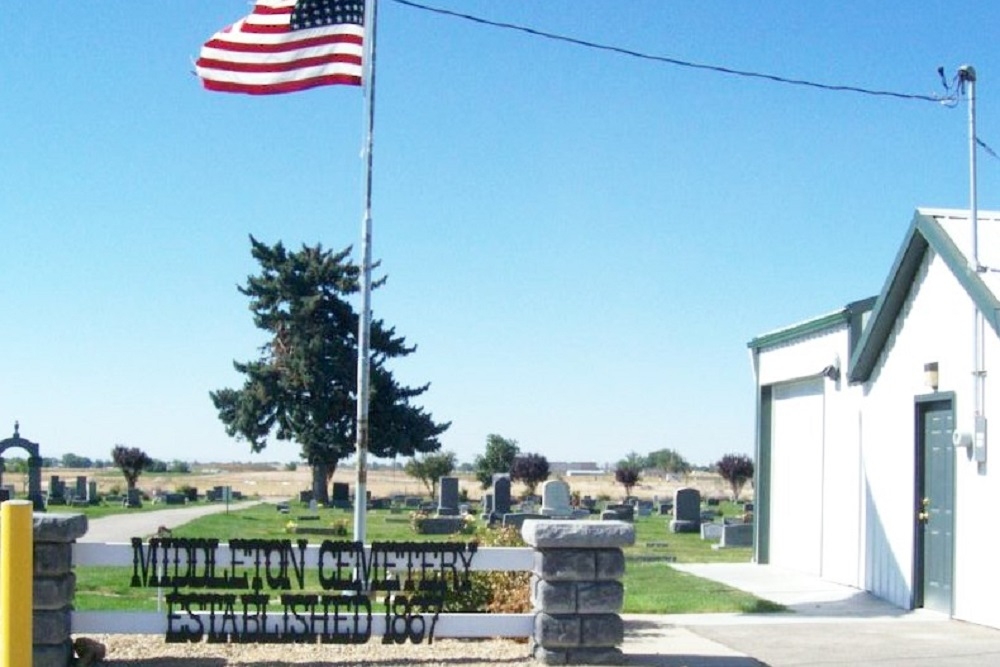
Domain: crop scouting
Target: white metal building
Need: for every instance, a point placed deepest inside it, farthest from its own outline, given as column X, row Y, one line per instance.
column 861, row 478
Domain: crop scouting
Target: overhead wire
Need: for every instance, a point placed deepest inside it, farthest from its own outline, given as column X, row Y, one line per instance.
column 954, row 89
column 676, row 61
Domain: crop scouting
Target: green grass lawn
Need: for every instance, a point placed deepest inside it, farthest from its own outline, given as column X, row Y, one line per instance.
column 651, row 584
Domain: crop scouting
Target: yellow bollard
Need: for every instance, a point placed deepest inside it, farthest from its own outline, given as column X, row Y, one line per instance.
column 16, row 576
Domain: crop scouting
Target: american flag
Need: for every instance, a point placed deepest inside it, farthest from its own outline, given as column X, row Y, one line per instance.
column 285, row 46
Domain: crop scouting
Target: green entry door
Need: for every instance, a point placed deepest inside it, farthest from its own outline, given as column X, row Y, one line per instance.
column 935, row 507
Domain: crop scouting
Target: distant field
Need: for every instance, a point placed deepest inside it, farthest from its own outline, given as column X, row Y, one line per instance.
column 276, row 483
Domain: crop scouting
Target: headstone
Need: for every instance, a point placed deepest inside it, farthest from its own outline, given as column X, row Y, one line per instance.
column 305, row 496
column 712, row 502
column 748, row 507
column 312, row 506
column 81, row 486
column 341, row 497
column 191, row 493
column 666, row 507
column 687, row 511
column 92, row 496
column 134, row 498
column 737, row 535
column 501, row 495
column 588, row 502
column 555, row 499
column 57, row 491
column 622, row 512
column 4, row 494
column 447, row 496
column 644, row 508
column 175, row 499
column 413, row 502
column 380, row 504
column 711, row 531
column 487, row 504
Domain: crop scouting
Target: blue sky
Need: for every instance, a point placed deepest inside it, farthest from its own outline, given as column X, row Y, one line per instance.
column 580, row 243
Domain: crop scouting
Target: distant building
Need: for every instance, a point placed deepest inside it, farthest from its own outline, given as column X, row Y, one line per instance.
column 565, row 468
column 872, row 462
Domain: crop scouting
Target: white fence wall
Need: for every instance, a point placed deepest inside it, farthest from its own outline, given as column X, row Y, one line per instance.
column 504, row 559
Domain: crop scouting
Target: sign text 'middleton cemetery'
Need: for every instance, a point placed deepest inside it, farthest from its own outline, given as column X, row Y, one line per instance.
column 233, row 602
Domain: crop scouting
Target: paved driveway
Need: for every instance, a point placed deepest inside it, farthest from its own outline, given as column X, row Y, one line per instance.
column 123, row 527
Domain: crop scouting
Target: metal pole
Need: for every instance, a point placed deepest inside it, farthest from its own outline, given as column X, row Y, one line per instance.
column 364, row 316
column 16, row 572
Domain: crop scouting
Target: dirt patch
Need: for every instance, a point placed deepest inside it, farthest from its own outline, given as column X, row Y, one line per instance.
column 153, row 651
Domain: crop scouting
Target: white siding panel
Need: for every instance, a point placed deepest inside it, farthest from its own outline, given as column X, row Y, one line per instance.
column 797, row 475
column 842, row 549
column 926, row 330
column 804, row 357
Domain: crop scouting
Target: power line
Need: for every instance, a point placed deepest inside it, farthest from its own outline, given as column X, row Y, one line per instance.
column 680, row 63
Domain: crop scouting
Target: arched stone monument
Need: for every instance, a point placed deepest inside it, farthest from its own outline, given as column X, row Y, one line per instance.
column 34, row 466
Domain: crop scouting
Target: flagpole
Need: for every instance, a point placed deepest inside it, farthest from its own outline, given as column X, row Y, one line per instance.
column 364, row 316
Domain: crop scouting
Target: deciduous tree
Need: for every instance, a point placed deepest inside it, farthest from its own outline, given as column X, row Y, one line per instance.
column 735, row 469
column 531, row 470
column 496, row 460
column 303, row 386
column 132, row 461
column 430, row 468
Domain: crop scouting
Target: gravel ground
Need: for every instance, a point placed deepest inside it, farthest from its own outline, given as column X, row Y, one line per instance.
column 153, row 651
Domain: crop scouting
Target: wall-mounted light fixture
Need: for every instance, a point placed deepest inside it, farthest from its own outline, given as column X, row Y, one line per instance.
column 931, row 375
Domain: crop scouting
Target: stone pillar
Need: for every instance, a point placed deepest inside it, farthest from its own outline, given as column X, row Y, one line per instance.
column 577, row 591
column 54, row 587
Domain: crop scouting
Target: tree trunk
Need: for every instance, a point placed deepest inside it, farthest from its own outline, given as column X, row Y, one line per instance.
column 320, row 489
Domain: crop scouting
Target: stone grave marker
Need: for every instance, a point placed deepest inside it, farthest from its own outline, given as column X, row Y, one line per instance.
column 736, row 535
column 341, row 497
column 666, row 507
column 687, row 511
column 501, row 495
column 621, row 512
column 556, row 499
column 711, row 531
column 447, row 496
column 4, row 494
column 81, row 487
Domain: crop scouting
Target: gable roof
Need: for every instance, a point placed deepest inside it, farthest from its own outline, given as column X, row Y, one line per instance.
column 933, row 229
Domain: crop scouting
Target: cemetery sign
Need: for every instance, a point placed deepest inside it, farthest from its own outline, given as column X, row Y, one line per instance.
column 259, row 591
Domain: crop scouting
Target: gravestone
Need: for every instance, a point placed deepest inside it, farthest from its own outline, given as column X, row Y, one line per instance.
column 447, row 496
column 501, row 495
column 621, row 512
column 191, row 493
column 412, row 502
column 711, row 531
column 175, row 499
column 644, row 508
column 92, row 496
column 736, row 535
column 4, row 494
column 555, row 499
column 588, row 503
column 687, row 511
column 305, row 496
column 134, row 498
column 341, row 497
column 487, row 505
column 666, row 507
column 81, row 487
column 57, row 491
column 748, row 507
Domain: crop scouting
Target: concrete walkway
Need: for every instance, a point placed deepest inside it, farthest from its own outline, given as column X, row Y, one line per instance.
column 123, row 527
column 827, row 625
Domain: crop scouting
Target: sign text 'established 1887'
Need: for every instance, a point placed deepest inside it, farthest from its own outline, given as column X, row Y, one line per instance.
column 258, row 590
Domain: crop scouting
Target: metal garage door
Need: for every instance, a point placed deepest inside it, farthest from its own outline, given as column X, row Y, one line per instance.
column 796, row 507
